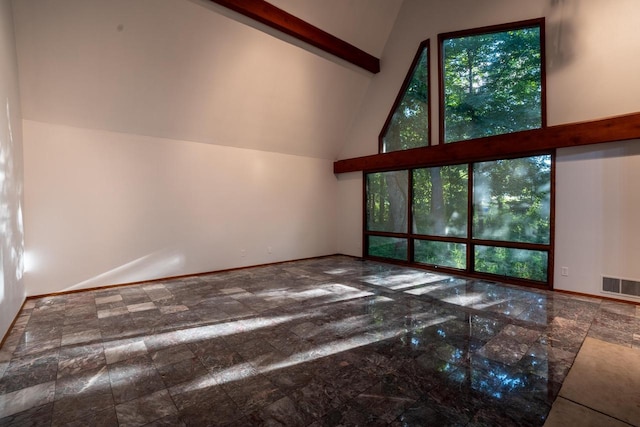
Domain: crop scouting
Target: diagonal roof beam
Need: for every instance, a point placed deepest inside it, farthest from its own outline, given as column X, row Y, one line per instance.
column 280, row 20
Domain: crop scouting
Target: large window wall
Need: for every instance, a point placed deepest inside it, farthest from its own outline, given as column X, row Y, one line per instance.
column 490, row 218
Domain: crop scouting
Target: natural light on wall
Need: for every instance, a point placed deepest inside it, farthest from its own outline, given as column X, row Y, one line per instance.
column 162, row 263
column 11, row 226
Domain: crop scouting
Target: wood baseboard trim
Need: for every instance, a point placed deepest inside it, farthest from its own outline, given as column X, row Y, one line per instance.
column 602, row 297
column 182, row 276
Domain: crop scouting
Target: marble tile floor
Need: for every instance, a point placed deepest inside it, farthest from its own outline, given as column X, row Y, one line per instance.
column 321, row 342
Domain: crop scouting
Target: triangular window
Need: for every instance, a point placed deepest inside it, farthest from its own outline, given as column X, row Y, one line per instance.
column 408, row 123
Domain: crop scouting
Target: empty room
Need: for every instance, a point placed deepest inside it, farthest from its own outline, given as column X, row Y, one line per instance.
column 319, row 213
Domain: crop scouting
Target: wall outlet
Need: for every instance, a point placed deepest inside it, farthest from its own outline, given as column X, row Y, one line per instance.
column 243, row 253
column 564, row 271
column 269, row 250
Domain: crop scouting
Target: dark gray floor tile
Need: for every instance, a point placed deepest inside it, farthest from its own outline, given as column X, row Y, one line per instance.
column 320, row 342
column 38, row 416
column 146, row 409
column 29, row 370
column 134, row 378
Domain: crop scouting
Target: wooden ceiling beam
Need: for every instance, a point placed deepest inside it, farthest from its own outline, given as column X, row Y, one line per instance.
column 268, row 14
column 516, row 144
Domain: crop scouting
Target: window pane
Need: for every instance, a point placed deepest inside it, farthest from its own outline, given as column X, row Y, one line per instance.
column 492, row 84
column 387, row 201
column 446, row 254
column 387, row 247
column 440, row 201
column 520, row 263
column 512, row 200
column 409, row 125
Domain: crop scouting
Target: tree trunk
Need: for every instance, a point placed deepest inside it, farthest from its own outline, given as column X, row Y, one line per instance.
column 397, row 188
column 437, row 214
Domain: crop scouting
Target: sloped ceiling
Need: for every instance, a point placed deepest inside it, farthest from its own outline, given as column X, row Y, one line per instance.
column 183, row 70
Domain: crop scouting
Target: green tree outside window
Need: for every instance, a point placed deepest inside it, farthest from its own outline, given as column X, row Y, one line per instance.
column 492, row 84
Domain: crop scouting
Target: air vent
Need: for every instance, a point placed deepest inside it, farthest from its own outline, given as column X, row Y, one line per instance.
column 630, row 287
column 621, row 286
column 610, row 284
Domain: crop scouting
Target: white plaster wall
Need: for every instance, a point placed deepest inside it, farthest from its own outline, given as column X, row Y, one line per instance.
column 349, row 203
column 597, row 211
column 12, row 291
column 183, row 70
column 104, row 208
column 591, row 73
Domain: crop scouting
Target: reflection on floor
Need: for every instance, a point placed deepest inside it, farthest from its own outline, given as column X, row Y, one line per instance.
column 330, row 341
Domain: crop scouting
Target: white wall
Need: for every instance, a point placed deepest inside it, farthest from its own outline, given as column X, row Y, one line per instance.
column 350, row 213
column 591, row 73
column 104, row 208
column 12, row 291
column 163, row 137
column 597, row 212
column 181, row 70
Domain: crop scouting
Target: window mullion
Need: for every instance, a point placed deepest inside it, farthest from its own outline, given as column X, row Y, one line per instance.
column 470, row 204
column 410, row 255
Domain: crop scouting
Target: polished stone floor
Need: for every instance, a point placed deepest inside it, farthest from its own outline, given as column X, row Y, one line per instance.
column 322, row 342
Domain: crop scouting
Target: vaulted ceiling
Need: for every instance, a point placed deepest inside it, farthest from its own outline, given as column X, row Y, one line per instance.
column 190, row 70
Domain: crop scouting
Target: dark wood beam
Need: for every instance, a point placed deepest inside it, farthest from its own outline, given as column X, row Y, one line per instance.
column 523, row 143
column 274, row 17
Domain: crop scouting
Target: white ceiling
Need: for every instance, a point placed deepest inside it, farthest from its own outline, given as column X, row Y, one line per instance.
column 183, row 70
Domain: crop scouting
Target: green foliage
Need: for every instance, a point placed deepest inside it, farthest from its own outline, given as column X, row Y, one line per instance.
column 387, row 201
column 409, row 125
column 440, row 200
column 520, row 263
column 512, row 200
column 492, row 84
column 387, row 247
column 445, row 254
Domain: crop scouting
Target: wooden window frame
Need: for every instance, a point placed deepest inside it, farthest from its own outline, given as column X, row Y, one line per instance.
column 469, row 241
column 541, row 141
